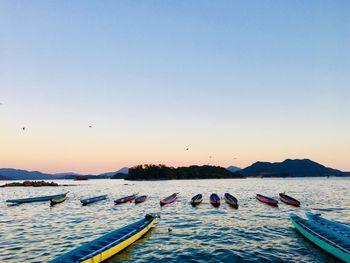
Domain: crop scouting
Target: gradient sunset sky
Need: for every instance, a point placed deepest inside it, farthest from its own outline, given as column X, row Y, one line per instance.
column 234, row 81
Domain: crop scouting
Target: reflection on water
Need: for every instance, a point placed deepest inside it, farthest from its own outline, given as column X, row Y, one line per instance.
column 36, row 232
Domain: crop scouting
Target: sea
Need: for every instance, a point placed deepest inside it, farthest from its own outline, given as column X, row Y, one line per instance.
column 255, row 232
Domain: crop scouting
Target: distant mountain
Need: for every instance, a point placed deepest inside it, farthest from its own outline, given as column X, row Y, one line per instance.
column 233, row 168
column 290, row 168
column 119, row 176
column 16, row 174
column 4, row 178
column 124, row 170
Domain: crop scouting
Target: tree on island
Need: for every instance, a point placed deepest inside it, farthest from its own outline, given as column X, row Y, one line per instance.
column 163, row 172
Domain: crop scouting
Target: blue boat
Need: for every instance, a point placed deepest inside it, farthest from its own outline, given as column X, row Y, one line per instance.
column 93, row 199
column 37, row 199
column 331, row 241
column 231, row 200
column 196, row 200
column 109, row 244
column 214, row 200
column 340, row 228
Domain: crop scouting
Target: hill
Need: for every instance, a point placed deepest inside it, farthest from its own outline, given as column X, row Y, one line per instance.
column 4, row 178
column 290, row 168
column 162, row 172
column 16, row 174
column 233, row 168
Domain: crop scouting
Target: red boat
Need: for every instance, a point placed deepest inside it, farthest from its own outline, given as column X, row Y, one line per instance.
column 215, row 200
column 125, row 199
column 289, row 200
column 168, row 200
column 267, row 200
column 141, row 199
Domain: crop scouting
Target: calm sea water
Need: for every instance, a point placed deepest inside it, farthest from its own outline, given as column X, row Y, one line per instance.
column 255, row 232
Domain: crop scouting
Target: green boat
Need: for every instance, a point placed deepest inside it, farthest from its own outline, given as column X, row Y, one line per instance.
column 331, row 241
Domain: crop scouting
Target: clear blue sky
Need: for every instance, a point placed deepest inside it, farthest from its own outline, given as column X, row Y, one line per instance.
column 240, row 81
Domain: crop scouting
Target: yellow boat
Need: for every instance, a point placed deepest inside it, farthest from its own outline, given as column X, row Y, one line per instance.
column 56, row 201
column 109, row 244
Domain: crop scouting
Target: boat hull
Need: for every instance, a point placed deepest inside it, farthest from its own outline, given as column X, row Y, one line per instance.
column 168, row 200
column 96, row 251
column 57, row 201
column 196, row 200
column 93, row 199
column 125, row 199
column 215, row 200
column 140, row 199
column 267, row 200
column 289, row 200
column 36, row 199
column 231, row 200
column 324, row 241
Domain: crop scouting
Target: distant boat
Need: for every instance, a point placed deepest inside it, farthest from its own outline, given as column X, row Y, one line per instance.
column 215, row 200
column 267, row 200
column 289, row 200
column 334, row 242
column 140, row 199
column 93, row 199
column 196, row 200
column 168, row 200
column 231, row 200
column 109, row 244
column 36, row 199
column 125, row 199
column 55, row 201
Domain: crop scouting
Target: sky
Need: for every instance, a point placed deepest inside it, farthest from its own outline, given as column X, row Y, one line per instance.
column 234, row 81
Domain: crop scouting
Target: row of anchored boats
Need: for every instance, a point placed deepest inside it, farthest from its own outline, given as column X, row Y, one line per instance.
column 214, row 199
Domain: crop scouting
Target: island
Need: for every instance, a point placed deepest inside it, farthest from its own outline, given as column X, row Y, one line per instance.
column 30, row 183
column 149, row 172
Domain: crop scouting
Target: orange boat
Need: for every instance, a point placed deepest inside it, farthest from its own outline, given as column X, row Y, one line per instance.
column 289, row 200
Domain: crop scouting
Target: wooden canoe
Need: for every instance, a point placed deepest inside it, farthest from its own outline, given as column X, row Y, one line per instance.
column 56, row 201
column 168, row 200
column 36, row 199
column 125, row 199
column 327, row 239
column 289, row 200
column 267, row 200
column 196, row 200
column 231, row 200
column 140, row 199
column 109, row 244
column 91, row 200
column 215, row 200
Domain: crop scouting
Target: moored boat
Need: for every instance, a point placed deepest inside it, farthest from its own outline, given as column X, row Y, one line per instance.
column 125, row 199
column 231, row 200
column 109, row 244
column 289, row 200
column 196, row 200
column 94, row 199
column 215, row 200
column 168, row 200
column 340, row 228
column 267, row 200
column 55, row 201
column 140, row 199
column 326, row 239
column 36, row 199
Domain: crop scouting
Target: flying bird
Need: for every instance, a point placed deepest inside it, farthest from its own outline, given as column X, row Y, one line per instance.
column 23, row 128
column 90, row 126
column 187, row 149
